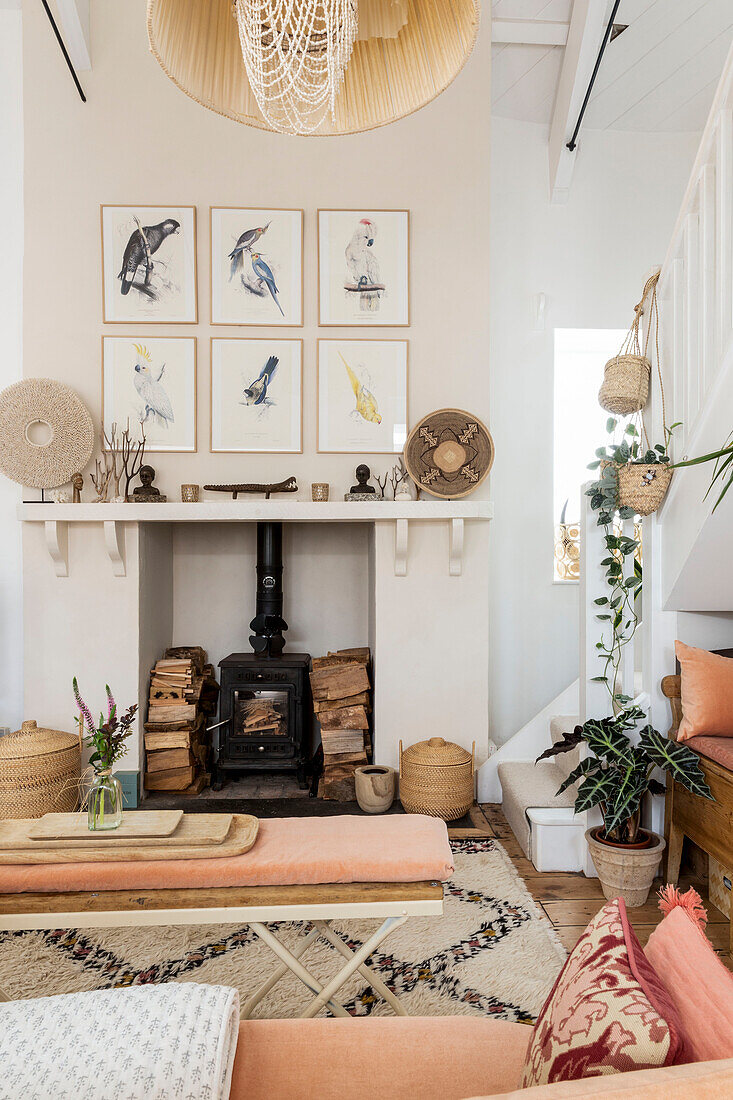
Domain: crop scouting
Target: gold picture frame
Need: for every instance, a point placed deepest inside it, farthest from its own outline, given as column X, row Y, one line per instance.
column 151, row 446
column 370, row 313
column 218, row 315
column 267, row 346
column 110, row 258
column 375, row 400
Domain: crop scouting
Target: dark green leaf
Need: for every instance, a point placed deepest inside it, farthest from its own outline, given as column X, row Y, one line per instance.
column 674, row 757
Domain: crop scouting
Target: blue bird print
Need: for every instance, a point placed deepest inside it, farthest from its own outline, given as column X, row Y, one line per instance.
column 264, row 274
column 256, row 392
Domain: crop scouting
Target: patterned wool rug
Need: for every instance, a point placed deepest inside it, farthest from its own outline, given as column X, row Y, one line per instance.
column 493, row 953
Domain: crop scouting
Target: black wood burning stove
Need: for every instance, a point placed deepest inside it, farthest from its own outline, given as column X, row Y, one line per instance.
column 265, row 702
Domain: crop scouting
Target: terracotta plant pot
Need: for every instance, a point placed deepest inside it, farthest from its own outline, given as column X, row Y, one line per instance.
column 375, row 788
column 626, row 872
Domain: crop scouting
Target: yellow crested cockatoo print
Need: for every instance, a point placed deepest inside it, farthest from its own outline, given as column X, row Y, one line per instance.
column 366, row 403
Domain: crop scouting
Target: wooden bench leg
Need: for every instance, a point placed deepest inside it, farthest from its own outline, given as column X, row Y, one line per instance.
column 674, row 853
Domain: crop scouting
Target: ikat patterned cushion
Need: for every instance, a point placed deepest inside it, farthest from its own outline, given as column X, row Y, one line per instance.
column 608, row 1011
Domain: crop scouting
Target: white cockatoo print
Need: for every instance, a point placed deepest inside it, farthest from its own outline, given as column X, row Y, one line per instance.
column 361, row 262
column 156, row 402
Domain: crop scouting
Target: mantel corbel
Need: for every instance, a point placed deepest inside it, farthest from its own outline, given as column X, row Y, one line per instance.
column 113, row 546
column 57, row 544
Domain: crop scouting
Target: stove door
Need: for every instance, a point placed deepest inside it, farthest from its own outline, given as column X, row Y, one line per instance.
column 261, row 726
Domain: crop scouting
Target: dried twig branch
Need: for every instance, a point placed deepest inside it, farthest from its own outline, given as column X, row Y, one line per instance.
column 132, row 457
column 382, row 484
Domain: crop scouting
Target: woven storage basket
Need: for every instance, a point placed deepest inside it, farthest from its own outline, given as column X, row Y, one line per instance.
column 436, row 778
column 625, row 387
column 643, row 486
column 39, row 772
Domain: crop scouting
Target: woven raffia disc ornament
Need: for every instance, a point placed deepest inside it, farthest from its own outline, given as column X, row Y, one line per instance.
column 67, row 420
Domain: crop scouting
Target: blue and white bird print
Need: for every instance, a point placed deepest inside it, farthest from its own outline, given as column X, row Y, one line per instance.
column 256, row 392
column 264, row 273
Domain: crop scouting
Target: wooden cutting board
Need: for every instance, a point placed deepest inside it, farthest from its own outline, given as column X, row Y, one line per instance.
column 140, row 825
column 17, row 847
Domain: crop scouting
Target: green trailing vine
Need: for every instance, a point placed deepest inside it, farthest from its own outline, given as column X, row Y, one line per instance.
column 617, row 609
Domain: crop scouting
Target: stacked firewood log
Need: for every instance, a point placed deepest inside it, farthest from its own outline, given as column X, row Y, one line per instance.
column 342, row 703
column 183, row 693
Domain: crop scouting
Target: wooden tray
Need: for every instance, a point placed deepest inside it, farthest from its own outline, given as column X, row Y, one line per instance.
column 139, row 825
column 203, row 829
column 17, row 847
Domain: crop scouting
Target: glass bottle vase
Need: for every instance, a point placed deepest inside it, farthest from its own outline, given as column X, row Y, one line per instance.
column 105, row 801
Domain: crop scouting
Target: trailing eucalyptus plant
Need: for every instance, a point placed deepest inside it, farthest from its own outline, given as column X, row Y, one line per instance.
column 618, row 774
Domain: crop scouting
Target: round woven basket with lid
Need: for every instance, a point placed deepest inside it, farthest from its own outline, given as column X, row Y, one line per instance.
column 436, row 778
column 39, row 772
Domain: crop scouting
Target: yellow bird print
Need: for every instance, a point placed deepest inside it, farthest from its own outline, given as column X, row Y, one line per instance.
column 366, row 403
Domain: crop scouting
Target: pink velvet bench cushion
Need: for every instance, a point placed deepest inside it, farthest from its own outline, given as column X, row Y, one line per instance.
column 719, row 749
column 289, row 851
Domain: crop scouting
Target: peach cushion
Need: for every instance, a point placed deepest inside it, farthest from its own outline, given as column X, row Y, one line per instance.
column 396, row 1058
column 608, row 1012
column 719, row 749
column 697, row 1081
column 707, row 693
column 698, row 983
column 288, row 851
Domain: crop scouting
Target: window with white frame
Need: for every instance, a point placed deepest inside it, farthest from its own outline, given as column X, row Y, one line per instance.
column 580, row 427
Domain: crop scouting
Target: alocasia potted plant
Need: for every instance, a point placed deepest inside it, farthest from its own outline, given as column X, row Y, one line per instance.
column 615, row 778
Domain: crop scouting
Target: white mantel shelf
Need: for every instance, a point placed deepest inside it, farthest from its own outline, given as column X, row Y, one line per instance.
column 55, row 517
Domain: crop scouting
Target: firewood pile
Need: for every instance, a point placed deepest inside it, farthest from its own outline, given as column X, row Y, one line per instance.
column 183, row 693
column 342, row 703
column 260, row 716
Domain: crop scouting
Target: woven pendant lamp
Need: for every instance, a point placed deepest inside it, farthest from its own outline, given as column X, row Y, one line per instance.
column 406, row 53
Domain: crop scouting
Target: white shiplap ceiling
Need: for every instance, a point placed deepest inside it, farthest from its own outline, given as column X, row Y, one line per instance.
column 660, row 74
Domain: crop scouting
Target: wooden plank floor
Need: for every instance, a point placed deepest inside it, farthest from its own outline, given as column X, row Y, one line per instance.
column 571, row 900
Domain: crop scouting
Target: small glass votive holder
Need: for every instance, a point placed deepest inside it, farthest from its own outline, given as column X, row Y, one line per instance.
column 320, row 490
column 190, row 494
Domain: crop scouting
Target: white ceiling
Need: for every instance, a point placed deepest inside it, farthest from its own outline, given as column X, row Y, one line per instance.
column 660, row 74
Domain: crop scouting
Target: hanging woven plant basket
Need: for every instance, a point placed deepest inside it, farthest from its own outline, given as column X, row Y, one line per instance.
column 643, row 486
column 625, row 388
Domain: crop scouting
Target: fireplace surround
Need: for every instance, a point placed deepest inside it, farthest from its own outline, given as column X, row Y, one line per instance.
column 170, row 572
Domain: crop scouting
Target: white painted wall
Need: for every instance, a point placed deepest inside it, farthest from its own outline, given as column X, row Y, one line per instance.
column 11, row 285
column 590, row 258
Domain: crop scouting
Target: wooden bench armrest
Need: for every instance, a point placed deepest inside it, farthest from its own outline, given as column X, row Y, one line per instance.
column 672, row 689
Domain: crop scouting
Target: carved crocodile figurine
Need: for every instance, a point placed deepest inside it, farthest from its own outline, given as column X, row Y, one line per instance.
column 290, row 485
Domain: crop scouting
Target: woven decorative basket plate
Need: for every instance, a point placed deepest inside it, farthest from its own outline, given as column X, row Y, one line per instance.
column 449, row 453
column 43, row 465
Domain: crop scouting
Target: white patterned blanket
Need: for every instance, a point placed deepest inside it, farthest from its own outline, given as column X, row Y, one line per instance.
column 149, row 1042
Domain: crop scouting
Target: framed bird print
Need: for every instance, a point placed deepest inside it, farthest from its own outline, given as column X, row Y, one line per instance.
column 364, row 268
column 149, row 264
column 256, row 396
column 150, row 383
column 256, row 266
column 362, row 396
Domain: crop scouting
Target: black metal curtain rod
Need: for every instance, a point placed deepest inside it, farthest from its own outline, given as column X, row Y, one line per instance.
column 67, row 59
column 572, row 144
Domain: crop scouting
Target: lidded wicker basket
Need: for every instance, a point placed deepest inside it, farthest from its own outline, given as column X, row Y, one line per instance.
column 39, row 772
column 436, row 778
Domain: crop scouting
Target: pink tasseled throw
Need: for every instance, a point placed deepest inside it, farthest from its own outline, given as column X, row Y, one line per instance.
column 288, row 851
